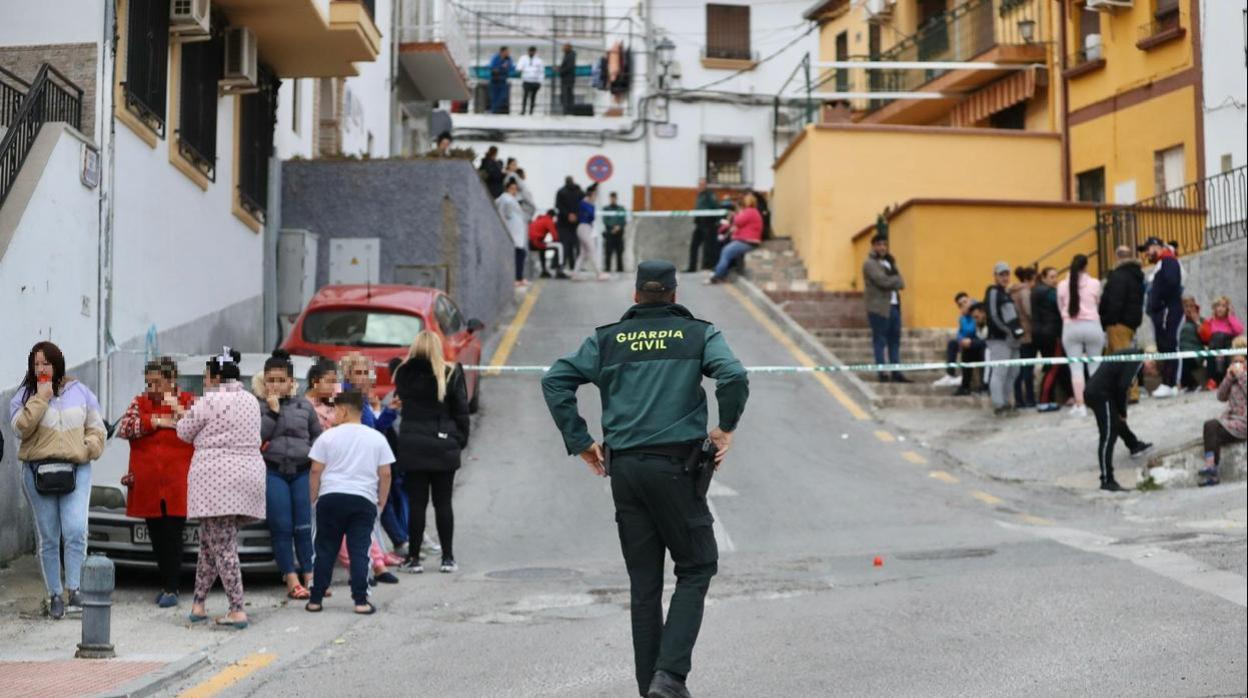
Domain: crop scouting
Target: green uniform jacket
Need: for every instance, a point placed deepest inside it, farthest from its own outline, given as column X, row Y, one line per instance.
column 648, row 368
column 613, row 216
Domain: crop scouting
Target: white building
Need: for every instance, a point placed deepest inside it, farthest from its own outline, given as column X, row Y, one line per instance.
column 1224, row 61
column 707, row 112
column 141, row 204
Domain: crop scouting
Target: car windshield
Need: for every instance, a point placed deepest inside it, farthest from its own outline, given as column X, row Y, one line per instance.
column 361, row 328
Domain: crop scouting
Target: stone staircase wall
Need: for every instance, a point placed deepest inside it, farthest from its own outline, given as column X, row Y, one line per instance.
column 776, row 266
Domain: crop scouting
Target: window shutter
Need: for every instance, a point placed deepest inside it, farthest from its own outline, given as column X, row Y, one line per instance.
column 728, row 31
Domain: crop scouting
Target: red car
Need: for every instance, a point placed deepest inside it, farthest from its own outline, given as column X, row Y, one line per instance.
column 380, row 322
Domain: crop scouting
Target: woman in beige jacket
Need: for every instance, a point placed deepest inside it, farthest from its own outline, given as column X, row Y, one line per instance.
column 58, row 422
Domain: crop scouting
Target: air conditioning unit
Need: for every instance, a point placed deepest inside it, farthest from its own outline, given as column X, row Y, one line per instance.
column 1106, row 5
column 879, row 11
column 241, row 61
column 189, row 19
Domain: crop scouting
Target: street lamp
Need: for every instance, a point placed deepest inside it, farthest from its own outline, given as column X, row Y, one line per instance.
column 1027, row 30
column 663, row 54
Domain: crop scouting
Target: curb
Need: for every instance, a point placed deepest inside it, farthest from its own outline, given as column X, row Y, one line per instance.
column 151, row 683
column 808, row 342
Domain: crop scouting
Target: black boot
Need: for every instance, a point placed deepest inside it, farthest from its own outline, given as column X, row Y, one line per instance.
column 665, row 685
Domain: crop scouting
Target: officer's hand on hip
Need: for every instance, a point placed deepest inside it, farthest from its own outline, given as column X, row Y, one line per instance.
column 593, row 456
column 723, row 441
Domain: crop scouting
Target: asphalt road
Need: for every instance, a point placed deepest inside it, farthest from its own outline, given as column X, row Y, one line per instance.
column 985, row 589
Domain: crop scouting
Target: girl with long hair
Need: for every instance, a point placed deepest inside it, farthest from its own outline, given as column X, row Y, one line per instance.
column 1078, row 297
column 57, row 420
column 432, row 434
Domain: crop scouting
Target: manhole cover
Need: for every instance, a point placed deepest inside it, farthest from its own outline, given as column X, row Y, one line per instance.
column 532, row 573
column 946, row 554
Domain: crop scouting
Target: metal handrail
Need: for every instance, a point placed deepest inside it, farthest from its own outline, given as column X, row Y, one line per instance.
column 1063, row 244
column 47, row 100
column 12, row 91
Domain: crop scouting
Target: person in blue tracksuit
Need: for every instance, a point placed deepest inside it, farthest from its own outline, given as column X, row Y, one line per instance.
column 1165, row 309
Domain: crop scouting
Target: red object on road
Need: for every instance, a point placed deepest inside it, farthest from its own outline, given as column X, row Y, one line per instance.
column 380, row 322
column 878, row 562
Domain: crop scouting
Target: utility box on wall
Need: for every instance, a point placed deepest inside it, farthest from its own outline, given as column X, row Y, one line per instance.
column 296, row 270
column 354, row 260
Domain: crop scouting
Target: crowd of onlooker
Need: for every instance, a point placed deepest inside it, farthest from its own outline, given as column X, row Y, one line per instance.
column 326, row 466
column 1028, row 312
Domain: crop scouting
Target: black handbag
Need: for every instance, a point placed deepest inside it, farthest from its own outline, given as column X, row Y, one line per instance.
column 54, row 477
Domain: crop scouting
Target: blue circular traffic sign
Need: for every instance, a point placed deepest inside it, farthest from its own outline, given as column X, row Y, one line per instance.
column 599, row 168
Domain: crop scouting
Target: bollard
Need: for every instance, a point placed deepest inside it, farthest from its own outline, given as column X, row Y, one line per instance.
column 97, row 602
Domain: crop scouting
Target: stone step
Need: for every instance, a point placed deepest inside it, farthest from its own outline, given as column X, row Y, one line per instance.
column 906, row 333
column 923, row 346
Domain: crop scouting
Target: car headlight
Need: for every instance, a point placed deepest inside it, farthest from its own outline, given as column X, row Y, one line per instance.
column 107, row 497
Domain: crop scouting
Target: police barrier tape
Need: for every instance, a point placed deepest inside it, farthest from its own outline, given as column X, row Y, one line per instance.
column 695, row 213
column 936, row 365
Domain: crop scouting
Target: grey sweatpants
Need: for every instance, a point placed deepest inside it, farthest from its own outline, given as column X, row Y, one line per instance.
column 1001, row 378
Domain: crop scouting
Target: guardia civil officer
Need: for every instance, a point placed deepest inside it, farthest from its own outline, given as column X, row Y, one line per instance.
column 648, row 368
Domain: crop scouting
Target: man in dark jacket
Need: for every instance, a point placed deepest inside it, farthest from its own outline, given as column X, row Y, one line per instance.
column 1122, row 305
column 881, row 293
column 1165, row 309
column 567, row 79
column 1106, row 397
column 1004, row 333
column 568, row 206
column 703, row 231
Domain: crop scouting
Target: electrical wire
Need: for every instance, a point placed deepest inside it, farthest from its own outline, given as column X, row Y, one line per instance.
column 813, row 26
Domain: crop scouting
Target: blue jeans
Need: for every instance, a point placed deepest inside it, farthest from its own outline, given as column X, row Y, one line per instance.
column 886, row 334
column 500, row 97
column 729, row 255
column 339, row 515
column 288, row 509
column 394, row 516
column 57, row 518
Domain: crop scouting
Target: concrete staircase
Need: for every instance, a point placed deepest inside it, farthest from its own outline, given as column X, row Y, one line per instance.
column 776, row 266
column 853, row 346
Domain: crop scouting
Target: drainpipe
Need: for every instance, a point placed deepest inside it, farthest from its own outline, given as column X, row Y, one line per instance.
column 1061, row 62
column 645, row 103
column 106, row 135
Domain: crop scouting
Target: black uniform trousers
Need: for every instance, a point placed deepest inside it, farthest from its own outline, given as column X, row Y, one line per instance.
column 614, row 245
column 657, row 510
column 1110, row 426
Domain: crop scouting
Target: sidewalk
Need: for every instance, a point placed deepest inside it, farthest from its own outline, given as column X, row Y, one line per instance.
column 154, row 646
column 1059, row 451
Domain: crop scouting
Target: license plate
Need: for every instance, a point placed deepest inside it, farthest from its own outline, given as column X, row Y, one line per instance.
column 140, row 535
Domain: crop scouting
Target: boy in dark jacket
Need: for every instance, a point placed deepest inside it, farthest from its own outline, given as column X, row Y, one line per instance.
column 1122, row 305
column 1106, row 397
column 1165, row 309
column 1004, row 332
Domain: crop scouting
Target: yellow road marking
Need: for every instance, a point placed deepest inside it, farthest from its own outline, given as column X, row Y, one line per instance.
column 229, row 676
column 913, row 457
column 885, row 436
column 986, row 498
column 508, row 342
column 943, row 477
column 1035, row 520
column 802, row 357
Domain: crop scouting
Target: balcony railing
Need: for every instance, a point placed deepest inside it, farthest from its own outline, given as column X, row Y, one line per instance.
column 425, row 21
column 961, row 34
column 489, row 19
column 12, row 91
column 600, row 102
column 1198, row 216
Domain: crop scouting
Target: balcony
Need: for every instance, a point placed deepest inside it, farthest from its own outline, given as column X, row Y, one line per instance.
column 1007, row 33
column 433, row 52
column 308, row 38
column 495, row 19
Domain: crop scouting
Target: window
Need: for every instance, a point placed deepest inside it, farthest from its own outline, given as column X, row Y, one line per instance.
column 449, row 318
column 842, row 54
column 1089, row 26
column 147, row 61
column 1166, row 13
column 728, row 32
column 1014, row 117
column 1228, row 162
column 726, row 164
column 197, row 106
column 1091, row 185
column 257, row 114
column 361, row 328
column 1169, row 169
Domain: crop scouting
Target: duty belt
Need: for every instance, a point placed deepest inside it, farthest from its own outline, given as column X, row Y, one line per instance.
column 679, row 451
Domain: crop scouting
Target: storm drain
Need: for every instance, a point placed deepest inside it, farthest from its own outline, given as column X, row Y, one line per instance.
column 527, row 574
column 946, row 554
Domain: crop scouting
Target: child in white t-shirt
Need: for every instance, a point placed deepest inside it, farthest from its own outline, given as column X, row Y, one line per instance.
column 349, row 483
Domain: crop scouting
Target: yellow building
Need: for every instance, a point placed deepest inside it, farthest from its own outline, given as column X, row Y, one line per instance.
column 989, row 161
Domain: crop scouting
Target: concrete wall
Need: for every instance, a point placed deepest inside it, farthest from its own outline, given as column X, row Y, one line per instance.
column 1225, row 83
column 943, row 247
column 424, row 211
column 851, row 173
column 50, row 22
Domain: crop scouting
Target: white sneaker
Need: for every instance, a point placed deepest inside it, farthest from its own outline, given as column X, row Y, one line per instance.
column 947, row 380
column 1164, row 391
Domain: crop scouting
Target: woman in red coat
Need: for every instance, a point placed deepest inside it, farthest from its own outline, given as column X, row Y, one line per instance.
column 159, row 462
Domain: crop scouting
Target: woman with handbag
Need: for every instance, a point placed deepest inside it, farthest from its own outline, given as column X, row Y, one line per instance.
column 159, row 463
column 226, row 484
column 58, row 421
column 432, row 434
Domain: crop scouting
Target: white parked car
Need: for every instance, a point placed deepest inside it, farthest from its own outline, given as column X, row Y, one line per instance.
column 125, row 539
